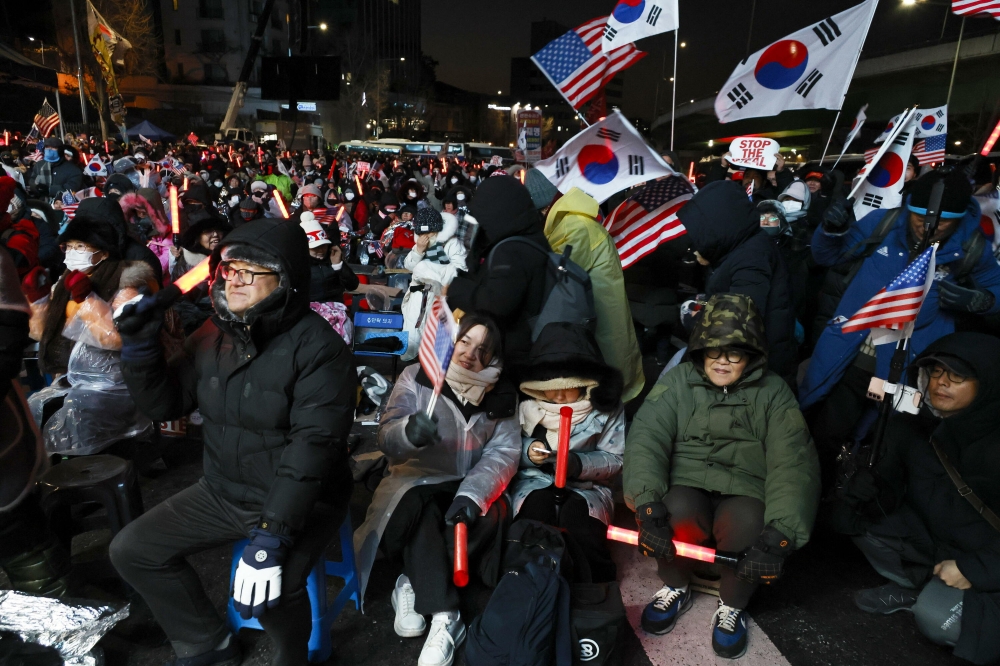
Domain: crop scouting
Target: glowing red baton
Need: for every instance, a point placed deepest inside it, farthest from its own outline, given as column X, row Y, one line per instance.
column 358, row 181
column 687, row 550
column 175, row 216
column 988, row 146
column 691, row 172
column 461, row 573
column 562, row 452
column 281, row 204
column 193, row 277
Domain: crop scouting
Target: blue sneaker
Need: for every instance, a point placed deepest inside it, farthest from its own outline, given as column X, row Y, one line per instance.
column 729, row 631
column 662, row 612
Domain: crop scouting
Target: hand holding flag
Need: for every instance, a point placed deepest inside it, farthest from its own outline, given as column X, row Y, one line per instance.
column 437, row 344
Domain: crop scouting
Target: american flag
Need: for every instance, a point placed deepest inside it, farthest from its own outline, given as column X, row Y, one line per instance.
column 930, row 150
column 577, row 67
column 330, row 215
column 33, row 157
column 70, row 210
column 870, row 153
column 648, row 218
column 46, row 119
column 899, row 303
column 437, row 342
column 972, row 7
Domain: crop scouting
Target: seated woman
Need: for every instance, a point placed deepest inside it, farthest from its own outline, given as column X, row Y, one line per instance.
column 452, row 466
column 566, row 368
column 719, row 452
column 196, row 243
column 939, row 549
column 329, row 277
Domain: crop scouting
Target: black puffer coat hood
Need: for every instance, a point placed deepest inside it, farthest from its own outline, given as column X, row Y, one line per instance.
column 264, row 242
column 503, row 208
column 565, row 350
column 719, row 218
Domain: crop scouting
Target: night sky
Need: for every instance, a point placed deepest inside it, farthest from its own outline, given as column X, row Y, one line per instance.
column 474, row 41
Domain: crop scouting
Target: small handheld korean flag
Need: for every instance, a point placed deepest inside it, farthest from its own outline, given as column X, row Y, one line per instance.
column 607, row 157
column 931, row 122
column 631, row 20
column 808, row 69
column 95, row 167
column 859, row 122
column 882, row 179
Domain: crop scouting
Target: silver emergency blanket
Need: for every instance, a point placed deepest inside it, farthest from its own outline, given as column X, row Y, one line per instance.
column 70, row 627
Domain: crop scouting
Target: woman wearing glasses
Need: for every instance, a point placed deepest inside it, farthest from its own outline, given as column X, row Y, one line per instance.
column 719, row 454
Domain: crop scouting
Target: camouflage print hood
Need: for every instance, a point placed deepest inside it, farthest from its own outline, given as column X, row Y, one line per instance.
column 729, row 320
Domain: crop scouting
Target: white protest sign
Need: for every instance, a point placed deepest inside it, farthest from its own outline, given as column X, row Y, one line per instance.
column 753, row 152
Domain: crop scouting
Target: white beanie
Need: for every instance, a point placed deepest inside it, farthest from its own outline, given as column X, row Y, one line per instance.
column 314, row 232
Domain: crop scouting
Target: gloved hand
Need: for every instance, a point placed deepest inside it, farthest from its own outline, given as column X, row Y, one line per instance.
column 839, row 216
column 953, row 297
column 421, row 430
column 860, row 489
column 463, row 509
column 36, row 284
column 78, row 285
column 574, row 466
column 257, row 584
column 139, row 323
column 765, row 561
column 656, row 537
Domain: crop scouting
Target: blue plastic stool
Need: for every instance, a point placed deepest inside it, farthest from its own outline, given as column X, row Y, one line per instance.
column 323, row 616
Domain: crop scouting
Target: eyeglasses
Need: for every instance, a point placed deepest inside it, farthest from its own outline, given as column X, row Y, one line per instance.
column 732, row 355
column 938, row 371
column 245, row 275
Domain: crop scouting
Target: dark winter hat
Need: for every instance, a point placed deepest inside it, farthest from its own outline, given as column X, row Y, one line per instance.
column 427, row 221
column 957, row 193
column 729, row 320
column 95, row 233
column 504, row 208
column 949, row 361
column 248, row 209
column 566, row 355
column 53, row 142
column 117, row 185
column 412, row 210
column 541, row 188
column 388, row 202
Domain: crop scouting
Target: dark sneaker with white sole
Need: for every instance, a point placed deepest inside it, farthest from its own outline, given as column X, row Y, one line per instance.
column 886, row 599
column 729, row 631
column 662, row 612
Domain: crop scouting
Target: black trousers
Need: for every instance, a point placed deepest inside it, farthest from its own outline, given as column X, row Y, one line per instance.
column 590, row 534
column 834, row 420
column 417, row 534
column 700, row 517
column 150, row 554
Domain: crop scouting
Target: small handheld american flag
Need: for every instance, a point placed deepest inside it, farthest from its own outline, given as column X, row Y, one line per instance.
column 929, row 151
column 648, row 218
column 437, row 343
column 46, row 119
column 898, row 304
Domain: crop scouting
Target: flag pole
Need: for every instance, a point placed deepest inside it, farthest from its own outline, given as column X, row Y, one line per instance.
column 954, row 66
column 830, row 138
column 79, row 67
column 62, row 129
column 673, row 99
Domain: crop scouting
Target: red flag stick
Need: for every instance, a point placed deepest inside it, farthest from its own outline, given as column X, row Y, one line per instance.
column 562, row 453
column 988, row 146
column 461, row 573
column 281, row 204
column 687, row 550
column 175, row 217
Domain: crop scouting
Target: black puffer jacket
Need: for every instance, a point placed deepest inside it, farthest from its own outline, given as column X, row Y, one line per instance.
column 911, row 474
column 277, row 393
column 724, row 227
column 326, row 284
column 66, row 177
column 508, row 284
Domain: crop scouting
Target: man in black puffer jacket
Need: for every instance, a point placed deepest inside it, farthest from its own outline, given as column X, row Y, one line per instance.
column 276, row 386
column 911, row 520
column 508, row 283
column 724, row 228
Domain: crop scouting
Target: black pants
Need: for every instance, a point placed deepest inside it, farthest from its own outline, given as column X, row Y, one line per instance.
column 417, row 534
column 590, row 534
column 833, row 421
column 732, row 522
column 150, row 554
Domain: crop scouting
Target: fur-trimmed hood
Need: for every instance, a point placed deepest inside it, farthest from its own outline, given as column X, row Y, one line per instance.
column 569, row 351
column 134, row 201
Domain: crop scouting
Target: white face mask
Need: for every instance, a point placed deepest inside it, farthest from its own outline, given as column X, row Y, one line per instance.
column 218, row 183
column 79, row 260
column 412, row 194
column 349, row 196
column 454, row 181
column 791, row 205
column 460, row 196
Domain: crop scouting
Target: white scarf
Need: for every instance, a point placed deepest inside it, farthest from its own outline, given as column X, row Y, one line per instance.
column 533, row 412
column 471, row 386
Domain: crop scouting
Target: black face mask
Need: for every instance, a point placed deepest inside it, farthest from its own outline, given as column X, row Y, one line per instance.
column 144, row 227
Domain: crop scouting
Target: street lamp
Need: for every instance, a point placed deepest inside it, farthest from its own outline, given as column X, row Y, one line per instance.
column 41, row 44
column 378, row 88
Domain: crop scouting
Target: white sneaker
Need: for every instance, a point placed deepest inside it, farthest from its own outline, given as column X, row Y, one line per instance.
column 408, row 623
column 445, row 635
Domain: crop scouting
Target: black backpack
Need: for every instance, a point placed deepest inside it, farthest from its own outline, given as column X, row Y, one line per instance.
column 569, row 295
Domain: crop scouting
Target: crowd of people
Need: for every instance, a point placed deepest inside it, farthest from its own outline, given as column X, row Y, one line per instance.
column 752, row 433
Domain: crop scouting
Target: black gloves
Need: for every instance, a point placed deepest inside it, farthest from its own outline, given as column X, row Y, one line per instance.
column 462, row 510
column 421, row 430
column 953, row 297
column 860, row 489
column 139, row 324
column 765, row 562
column 656, row 537
column 574, row 466
column 839, row 216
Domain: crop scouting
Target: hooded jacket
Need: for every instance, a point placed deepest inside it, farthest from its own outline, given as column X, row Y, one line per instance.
column 747, row 439
column 835, row 350
column 107, row 211
column 724, row 228
column 276, row 388
column 572, row 220
column 158, row 237
column 510, row 283
column 911, row 477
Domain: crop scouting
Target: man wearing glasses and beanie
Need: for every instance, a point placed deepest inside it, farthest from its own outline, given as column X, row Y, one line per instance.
column 276, row 387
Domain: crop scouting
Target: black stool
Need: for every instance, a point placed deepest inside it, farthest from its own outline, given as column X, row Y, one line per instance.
column 106, row 480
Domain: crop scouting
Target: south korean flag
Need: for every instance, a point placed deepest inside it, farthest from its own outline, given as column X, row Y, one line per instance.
column 632, row 20
column 808, row 69
column 607, row 157
column 881, row 181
